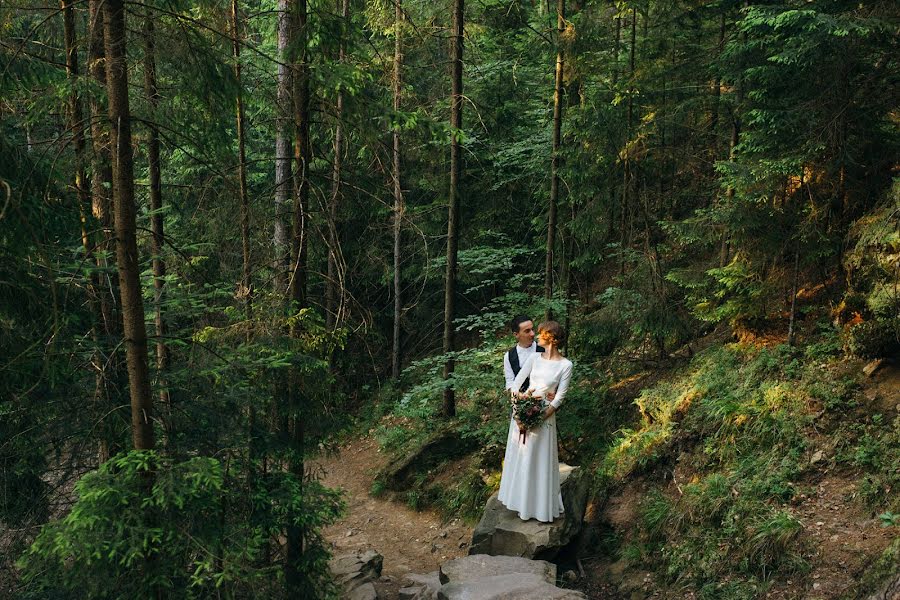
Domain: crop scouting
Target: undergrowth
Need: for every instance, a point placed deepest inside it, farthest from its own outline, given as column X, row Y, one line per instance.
column 736, row 429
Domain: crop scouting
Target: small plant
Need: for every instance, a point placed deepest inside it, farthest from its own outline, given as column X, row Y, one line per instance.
column 889, row 519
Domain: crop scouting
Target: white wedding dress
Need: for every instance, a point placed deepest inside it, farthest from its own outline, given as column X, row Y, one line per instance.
column 529, row 483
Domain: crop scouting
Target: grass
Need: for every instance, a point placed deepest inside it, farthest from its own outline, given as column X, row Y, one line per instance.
column 743, row 422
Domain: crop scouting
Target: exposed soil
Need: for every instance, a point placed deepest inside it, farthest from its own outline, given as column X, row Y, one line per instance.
column 410, row 541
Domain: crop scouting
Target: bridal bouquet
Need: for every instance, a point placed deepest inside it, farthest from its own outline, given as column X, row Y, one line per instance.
column 528, row 412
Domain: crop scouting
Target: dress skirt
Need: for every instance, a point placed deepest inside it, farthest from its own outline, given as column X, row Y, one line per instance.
column 529, row 484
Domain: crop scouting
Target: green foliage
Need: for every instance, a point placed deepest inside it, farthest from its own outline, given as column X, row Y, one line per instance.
column 142, row 524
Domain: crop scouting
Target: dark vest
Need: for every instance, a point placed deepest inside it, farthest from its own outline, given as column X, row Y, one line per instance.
column 516, row 367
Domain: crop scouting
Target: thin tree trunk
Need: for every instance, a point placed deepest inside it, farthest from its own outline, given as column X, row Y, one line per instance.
column 126, row 239
column 246, row 285
column 724, row 250
column 398, row 189
column 717, row 89
column 449, row 407
column 615, row 75
column 791, row 328
column 334, row 282
column 111, row 372
column 301, row 157
column 156, row 223
column 76, row 126
column 554, row 160
column 283, row 184
column 297, row 282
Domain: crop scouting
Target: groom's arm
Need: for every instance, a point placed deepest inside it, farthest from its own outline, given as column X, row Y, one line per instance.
column 507, row 371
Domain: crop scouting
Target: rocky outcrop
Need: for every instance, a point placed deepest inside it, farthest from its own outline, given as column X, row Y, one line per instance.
column 502, row 532
column 479, row 566
column 444, row 444
column 484, row 577
column 355, row 573
column 421, row 587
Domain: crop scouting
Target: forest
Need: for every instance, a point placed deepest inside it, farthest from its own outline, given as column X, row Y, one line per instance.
column 237, row 236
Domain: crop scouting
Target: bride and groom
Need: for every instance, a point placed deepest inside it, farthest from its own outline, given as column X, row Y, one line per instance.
column 529, row 483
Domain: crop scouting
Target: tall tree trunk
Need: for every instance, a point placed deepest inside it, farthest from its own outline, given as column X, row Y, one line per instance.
column 554, row 160
column 76, row 126
column 615, row 74
column 398, row 189
column 449, row 407
column 246, row 285
column 111, row 372
column 724, row 250
column 297, row 281
column 126, row 238
column 301, row 157
column 283, row 184
column 334, row 282
column 717, row 89
column 156, row 222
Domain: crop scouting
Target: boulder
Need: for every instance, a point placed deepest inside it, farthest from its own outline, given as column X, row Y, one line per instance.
column 364, row 592
column 473, row 567
column 442, row 445
column 515, row 586
column 502, row 532
column 356, row 572
column 421, row 587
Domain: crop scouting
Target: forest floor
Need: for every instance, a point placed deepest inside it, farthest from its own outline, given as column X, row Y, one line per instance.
column 410, row 541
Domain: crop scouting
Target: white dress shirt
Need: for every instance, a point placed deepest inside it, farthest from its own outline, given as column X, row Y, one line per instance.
column 524, row 355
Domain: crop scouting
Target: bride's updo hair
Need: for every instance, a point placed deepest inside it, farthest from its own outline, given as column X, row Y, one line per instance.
column 553, row 331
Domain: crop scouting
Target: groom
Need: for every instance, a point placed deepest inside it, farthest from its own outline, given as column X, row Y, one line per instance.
column 523, row 329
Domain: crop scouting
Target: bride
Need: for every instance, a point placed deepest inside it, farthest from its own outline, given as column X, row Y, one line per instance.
column 529, row 483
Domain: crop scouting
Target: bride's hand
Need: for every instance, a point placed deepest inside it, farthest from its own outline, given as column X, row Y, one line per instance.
column 549, row 411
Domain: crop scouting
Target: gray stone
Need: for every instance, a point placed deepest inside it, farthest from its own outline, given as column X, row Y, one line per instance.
column 356, row 571
column 515, row 586
column 421, row 587
column 502, row 532
column 445, row 443
column 363, row 592
column 470, row 568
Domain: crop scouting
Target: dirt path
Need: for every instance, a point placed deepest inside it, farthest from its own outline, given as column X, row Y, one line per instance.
column 410, row 541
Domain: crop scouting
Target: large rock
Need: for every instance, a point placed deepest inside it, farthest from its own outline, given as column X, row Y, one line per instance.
column 516, row 586
column 421, row 587
column 356, row 572
column 473, row 567
column 443, row 445
column 502, row 532
column 485, row 577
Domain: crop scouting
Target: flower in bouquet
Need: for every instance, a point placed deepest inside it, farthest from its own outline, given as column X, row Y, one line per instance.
column 528, row 411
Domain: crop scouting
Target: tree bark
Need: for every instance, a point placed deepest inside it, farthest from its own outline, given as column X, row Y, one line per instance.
column 126, row 239
column 246, row 291
column 283, row 184
column 449, row 406
column 111, row 372
column 398, row 189
column 554, row 160
column 156, row 222
column 75, row 125
column 334, row 281
column 297, row 282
